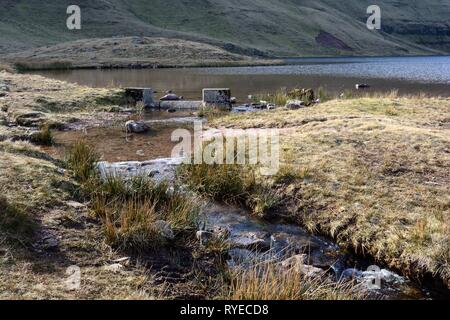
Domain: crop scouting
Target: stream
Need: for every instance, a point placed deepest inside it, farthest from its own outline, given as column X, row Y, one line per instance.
column 149, row 154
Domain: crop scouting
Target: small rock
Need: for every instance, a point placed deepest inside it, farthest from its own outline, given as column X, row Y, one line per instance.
column 164, row 229
column 297, row 263
column 310, row 271
column 294, row 261
column 172, row 110
column 204, row 236
column 221, row 233
column 351, row 274
column 124, row 260
column 50, row 243
column 61, row 171
column 252, row 241
column 115, row 268
column 136, row 126
column 4, row 87
column 295, row 104
column 140, row 153
column 171, row 97
column 75, row 205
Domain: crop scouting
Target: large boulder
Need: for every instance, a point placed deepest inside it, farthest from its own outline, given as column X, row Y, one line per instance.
column 136, row 126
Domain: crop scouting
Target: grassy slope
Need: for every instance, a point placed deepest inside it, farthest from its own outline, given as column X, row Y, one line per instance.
column 282, row 27
column 32, row 268
column 370, row 172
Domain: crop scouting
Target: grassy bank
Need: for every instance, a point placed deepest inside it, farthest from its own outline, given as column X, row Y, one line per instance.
column 371, row 173
column 32, row 102
column 130, row 52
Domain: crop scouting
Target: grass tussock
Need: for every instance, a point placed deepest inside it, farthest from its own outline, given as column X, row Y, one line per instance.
column 43, row 137
column 137, row 213
column 267, row 279
column 15, row 223
column 232, row 184
column 81, row 159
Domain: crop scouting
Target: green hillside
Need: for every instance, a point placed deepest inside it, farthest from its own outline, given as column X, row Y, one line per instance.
column 278, row 27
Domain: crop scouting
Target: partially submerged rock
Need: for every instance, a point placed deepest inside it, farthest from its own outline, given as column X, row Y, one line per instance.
column 359, row 86
column 171, row 97
column 295, row 104
column 137, row 126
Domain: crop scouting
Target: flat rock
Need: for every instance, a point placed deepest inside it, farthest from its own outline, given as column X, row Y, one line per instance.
column 114, row 268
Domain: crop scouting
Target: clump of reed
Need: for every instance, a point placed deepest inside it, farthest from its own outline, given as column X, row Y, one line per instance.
column 137, row 213
column 82, row 159
column 265, row 278
column 230, row 183
column 43, row 137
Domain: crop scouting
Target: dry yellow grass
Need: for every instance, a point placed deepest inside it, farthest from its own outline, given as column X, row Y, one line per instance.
column 30, row 182
column 267, row 279
column 373, row 173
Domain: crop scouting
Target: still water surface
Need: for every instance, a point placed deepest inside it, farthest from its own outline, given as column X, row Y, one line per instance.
column 408, row 75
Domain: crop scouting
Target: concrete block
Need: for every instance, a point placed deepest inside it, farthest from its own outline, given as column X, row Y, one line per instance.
column 220, row 97
column 144, row 95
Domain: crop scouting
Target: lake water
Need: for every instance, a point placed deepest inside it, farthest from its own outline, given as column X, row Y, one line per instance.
column 408, row 75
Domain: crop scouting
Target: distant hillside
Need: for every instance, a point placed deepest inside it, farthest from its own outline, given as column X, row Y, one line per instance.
column 276, row 27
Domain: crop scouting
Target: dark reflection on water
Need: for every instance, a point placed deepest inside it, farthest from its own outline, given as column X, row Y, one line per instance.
column 412, row 75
